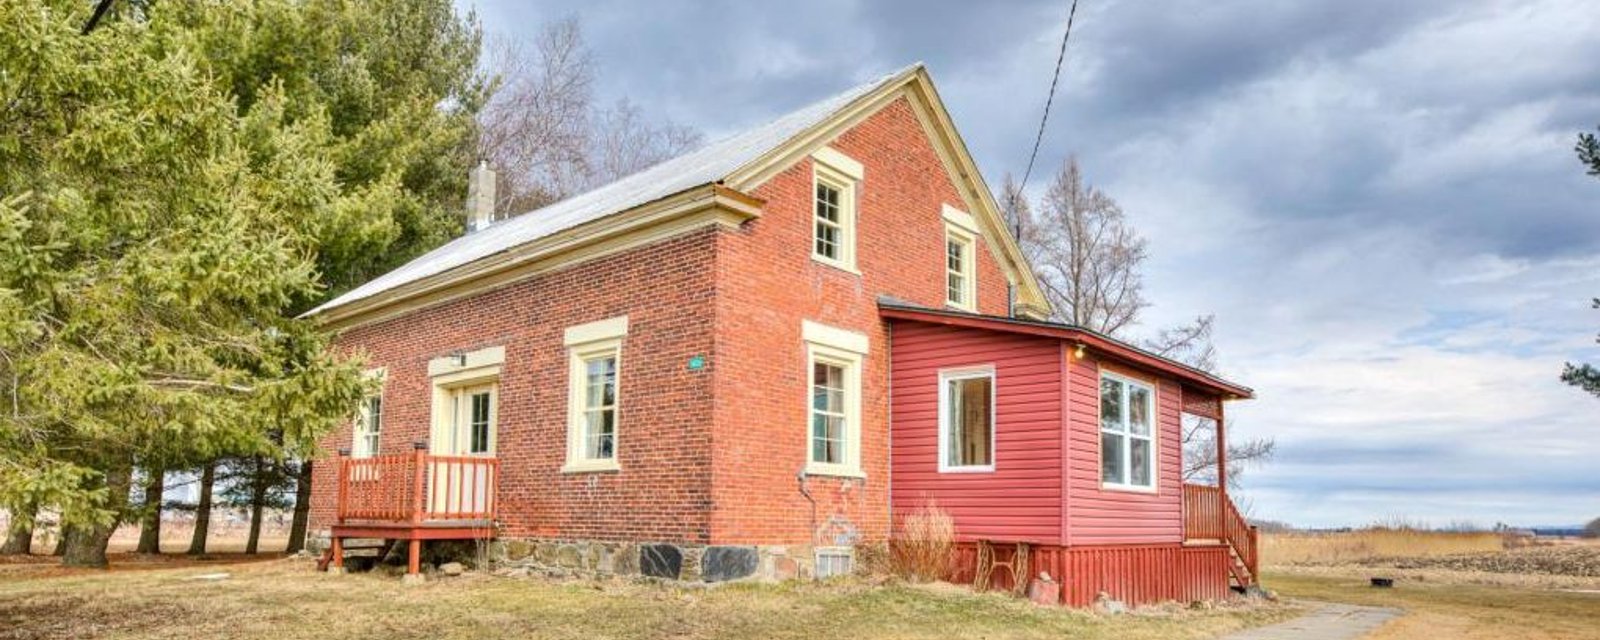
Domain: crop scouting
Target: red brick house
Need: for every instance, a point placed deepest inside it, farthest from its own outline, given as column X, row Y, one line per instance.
column 730, row 364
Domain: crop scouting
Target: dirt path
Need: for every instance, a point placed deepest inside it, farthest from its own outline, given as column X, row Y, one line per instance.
column 1329, row 621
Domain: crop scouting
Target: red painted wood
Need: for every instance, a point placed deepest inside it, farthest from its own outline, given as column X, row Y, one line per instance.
column 1133, row 574
column 1021, row 498
column 417, row 488
column 1101, row 516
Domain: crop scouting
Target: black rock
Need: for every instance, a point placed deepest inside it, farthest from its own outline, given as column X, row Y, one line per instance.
column 660, row 561
column 728, row 563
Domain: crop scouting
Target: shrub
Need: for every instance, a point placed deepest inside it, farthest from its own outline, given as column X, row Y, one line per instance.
column 924, row 545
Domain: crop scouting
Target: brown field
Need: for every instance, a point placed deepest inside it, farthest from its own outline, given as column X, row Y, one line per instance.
column 286, row 599
column 1452, row 585
column 1288, row 549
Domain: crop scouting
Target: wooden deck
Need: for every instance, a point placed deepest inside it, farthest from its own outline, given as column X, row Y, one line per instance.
column 414, row 497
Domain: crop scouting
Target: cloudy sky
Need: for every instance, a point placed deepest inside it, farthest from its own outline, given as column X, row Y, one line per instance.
column 1378, row 200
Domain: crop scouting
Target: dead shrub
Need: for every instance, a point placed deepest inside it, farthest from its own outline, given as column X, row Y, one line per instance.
column 924, row 544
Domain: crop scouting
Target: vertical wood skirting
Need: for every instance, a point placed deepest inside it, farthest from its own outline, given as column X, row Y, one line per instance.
column 1133, row 574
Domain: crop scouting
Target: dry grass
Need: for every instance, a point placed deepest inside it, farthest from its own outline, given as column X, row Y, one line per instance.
column 287, row 600
column 1442, row 607
column 1288, row 549
column 924, row 542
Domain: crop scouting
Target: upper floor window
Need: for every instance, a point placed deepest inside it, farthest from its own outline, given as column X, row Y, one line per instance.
column 833, row 208
column 966, row 420
column 960, row 260
column 595, row 366
column 1127, row 433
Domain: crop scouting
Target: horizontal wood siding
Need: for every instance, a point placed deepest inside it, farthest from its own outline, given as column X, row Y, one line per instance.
column 1099, row 516
column 1021, row 498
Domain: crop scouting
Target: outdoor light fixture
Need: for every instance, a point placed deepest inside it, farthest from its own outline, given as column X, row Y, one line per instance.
column 458, row 358
column 1078, row 352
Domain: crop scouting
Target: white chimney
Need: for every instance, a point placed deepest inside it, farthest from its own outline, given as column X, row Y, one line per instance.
column 480, row 197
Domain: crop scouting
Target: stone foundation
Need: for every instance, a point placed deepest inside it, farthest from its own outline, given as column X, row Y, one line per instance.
column 667, row 561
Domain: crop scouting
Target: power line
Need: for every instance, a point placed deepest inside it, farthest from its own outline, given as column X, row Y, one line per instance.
column 1062, row 55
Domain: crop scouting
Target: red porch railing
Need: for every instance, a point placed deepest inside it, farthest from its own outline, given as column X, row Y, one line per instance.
column 1208, row 515
column 417, row 487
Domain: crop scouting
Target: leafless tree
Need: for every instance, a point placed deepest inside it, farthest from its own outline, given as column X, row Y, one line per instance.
column 1187, row 343
column 1084, row 253
column 1088, row 259
column 623, row 140
column 533, row 129
column 542, row 131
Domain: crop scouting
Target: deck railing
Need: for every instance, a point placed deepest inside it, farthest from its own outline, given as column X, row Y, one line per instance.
column 1208, row 515
column 417, row 487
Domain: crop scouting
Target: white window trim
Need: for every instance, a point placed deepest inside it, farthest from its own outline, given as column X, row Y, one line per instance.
column 379, row 376
column 966, row 373
column 358, row 447
column 843, row 174
column 449, row 374
column 848, row 349
column 1127, row 449
column 969, row 268
column 584, row 342
column 464, row 392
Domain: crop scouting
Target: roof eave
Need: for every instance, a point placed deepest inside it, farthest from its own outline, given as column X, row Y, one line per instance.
column 687, row 209
column 1093, row 340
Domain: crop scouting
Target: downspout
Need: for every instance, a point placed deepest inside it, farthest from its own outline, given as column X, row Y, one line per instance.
column 806, row 491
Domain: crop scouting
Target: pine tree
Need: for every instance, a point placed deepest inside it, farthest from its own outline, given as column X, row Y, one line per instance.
column 181, row 181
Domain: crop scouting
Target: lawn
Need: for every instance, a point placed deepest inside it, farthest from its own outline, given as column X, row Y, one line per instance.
column 1444, row 607
column 286, row 599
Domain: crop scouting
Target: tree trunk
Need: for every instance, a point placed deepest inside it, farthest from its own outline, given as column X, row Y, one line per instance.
column 150, row 528
column 61, row 543
column 202, row 512
column 86, row 546
column 258, row 498
column 302, row 507
column 19, row 541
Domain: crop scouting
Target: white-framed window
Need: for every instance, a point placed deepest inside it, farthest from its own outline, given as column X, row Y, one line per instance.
column 960, row 259
column 833, row 399
column 595, row 372
column 966, row 420
column 474, row 412
column 466, row 402
column 833, row 208
column 369, row 426
column 1127, row 433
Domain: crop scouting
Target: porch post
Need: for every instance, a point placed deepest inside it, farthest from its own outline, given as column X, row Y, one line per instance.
column 1222, row 470
column 342, row 478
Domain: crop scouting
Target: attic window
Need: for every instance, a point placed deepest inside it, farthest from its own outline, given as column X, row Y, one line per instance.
column 833, row 208
column 960, row 260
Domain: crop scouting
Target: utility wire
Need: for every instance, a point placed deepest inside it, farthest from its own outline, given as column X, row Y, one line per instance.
column 1062, row 55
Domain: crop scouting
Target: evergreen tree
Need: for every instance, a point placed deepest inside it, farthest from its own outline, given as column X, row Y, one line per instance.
column 1586, row 376
column 180, row 181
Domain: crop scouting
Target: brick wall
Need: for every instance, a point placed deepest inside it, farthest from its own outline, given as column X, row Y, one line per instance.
column 768, row 283
column 735, row 297
column 663, row 490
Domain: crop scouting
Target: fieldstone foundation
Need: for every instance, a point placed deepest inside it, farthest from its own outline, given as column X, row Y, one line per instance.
column 667, row 561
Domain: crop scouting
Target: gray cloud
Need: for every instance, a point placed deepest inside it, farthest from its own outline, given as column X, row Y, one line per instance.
column 1378, row 200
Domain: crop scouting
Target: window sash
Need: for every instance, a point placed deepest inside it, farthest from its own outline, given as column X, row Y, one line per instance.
column 956, row 437
column 829, row 421
column 599, row 427
column 833, row 218
column 1121, row 435
column 368, row 426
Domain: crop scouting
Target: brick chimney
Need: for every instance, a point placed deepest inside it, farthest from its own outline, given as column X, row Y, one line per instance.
column 480, row 197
